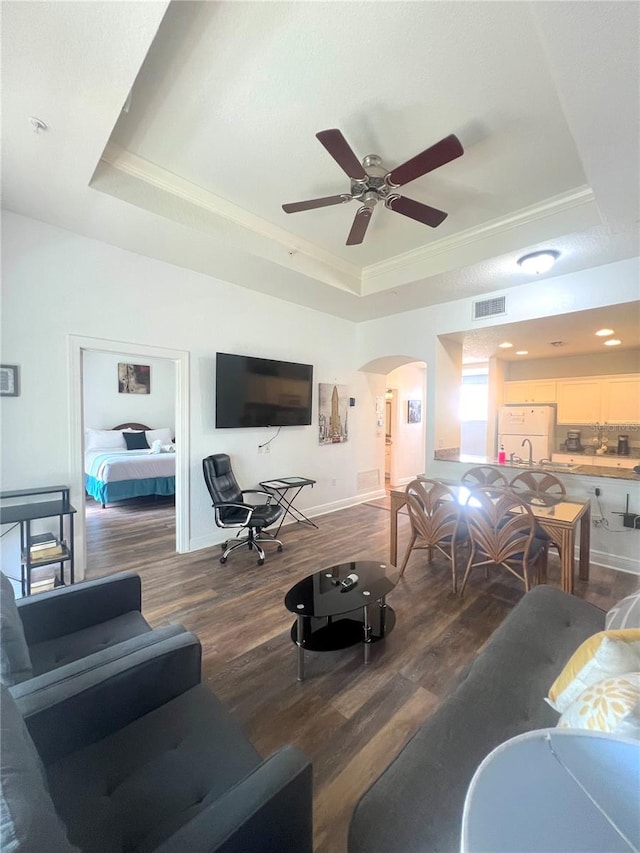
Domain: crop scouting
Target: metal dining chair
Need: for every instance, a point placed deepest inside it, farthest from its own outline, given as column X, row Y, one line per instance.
column 538, row 487
column 501, row 530
column 484, row 475
column 434, row 514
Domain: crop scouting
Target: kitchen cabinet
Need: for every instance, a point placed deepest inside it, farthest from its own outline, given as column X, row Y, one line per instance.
column 621, row 400
column 603, row 461
column 536, row 391
column 574, row 459
column 599, row 399
column 579, row 400
column 615, row 461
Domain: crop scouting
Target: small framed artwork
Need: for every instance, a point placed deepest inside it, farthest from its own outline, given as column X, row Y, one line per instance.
column 414, row 411
column 9, row 380
column 134, row 379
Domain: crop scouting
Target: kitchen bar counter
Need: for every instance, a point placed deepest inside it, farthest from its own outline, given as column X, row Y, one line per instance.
column 581, row 470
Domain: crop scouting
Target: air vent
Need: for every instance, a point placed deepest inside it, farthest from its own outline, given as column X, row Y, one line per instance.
column 489, row 307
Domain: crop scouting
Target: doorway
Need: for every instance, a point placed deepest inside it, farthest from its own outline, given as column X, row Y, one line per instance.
column 78, row 346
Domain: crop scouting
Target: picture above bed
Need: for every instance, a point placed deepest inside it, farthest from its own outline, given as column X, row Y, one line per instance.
column 124, row 462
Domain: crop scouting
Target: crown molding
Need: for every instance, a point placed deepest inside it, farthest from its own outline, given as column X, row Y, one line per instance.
column 560, row 204
column 139, row 168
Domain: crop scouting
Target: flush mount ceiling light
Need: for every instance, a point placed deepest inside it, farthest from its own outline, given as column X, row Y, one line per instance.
column 522, row 352
column 505, row 345
column 538, row 262
column 603, row 333
column 612, row 342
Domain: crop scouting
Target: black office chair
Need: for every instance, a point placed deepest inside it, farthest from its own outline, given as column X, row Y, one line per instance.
column 231, row 510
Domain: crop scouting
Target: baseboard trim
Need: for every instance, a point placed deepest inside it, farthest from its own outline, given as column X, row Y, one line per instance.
column 613, row 561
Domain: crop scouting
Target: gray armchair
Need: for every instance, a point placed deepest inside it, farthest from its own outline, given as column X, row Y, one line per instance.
column 139, row 756
column 56, row 634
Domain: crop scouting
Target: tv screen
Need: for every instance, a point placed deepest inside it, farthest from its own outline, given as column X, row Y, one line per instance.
column 261, row 392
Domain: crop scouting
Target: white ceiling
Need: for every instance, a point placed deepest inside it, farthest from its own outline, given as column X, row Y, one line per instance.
column 226, row 99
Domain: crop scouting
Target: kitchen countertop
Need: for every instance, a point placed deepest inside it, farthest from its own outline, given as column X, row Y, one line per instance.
column 580, row 470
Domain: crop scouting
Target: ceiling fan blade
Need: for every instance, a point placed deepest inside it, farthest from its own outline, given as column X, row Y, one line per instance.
column 310, row 204
column 416, row 210
column 442, row 152
column 340, row 150
column 359, row 227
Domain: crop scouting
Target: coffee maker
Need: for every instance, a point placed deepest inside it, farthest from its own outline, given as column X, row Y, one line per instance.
column 573, row 443
column 623, row 445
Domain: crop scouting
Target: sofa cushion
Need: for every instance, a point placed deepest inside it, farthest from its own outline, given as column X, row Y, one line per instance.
column 15, row 662
column 145, row 781
column 611, row 705
column 417, row 803
column 51, row 654
column 28, row 821
column 602, row 655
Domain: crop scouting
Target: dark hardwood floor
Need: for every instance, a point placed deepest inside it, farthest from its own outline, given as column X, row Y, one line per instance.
column 351, row 720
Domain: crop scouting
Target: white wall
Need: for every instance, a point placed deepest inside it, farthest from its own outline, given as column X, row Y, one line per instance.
column 57, row 284
column 105, row 406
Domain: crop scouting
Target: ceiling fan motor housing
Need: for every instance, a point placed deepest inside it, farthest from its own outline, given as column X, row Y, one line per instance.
column 375, row 187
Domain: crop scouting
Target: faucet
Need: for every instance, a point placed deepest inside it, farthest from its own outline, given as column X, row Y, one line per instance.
column 528, row 441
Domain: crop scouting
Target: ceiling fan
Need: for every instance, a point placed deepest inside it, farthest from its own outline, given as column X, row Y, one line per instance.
column 371, row 182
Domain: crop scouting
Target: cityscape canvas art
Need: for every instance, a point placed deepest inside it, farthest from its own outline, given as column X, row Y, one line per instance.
column 333, row 413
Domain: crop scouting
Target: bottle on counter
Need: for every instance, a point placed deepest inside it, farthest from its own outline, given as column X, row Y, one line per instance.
column 502, row 456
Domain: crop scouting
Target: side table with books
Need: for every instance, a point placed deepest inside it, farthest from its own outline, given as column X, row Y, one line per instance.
column 45, row 548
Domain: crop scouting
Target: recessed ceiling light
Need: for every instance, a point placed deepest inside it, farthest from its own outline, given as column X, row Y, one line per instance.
column 612, row 342
column 505, row 345
column 522, row 352
column 538, row 262
column 602, row 333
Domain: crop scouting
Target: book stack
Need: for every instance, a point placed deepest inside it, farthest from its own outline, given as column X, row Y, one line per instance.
column 45, row 546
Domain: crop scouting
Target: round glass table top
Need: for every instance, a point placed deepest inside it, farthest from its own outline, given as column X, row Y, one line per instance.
column 322, row 594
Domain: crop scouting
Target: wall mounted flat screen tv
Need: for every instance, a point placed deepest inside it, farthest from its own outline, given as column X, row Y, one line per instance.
column 261, row 392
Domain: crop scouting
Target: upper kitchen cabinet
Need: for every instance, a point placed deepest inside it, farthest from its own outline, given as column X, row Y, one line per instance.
column 579, row 400
column 621, row 400
column 599, row 399
column 535, row 391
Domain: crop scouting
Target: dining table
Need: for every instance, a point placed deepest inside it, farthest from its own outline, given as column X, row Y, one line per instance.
column 566, row 520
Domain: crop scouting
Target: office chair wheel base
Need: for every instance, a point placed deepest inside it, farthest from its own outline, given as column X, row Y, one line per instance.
column 279, row 548
column 223, row 560
column 261, row 562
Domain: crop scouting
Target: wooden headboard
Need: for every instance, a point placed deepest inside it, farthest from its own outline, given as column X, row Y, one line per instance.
column 132, row 426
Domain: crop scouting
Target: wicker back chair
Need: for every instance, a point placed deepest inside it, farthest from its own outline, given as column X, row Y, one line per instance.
column 501, row 530
column 434, row 514
column 484, row 475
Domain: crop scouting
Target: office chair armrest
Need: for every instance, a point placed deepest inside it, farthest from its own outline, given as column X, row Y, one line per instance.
column 267, row 495
column 232, row 505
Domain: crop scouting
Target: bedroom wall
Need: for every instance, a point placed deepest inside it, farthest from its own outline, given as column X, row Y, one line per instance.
column 105, row 406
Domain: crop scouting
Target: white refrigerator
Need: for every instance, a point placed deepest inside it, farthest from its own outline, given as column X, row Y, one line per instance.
column 537, row 423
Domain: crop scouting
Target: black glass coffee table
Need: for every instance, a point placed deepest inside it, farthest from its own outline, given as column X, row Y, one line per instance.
column 330, row 617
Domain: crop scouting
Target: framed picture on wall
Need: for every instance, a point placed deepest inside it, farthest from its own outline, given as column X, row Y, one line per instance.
column 134, row 378
column 9, row 380
column 414, row 411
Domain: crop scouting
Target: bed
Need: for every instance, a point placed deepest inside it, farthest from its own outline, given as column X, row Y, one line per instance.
column 113, row 472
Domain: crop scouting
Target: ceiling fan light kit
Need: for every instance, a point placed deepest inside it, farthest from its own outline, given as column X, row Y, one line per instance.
column 372, row 182
column 538, row 262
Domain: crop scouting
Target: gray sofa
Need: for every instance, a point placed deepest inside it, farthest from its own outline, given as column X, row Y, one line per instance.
column 417, row 803
column 55, row 634
column 136, row 755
